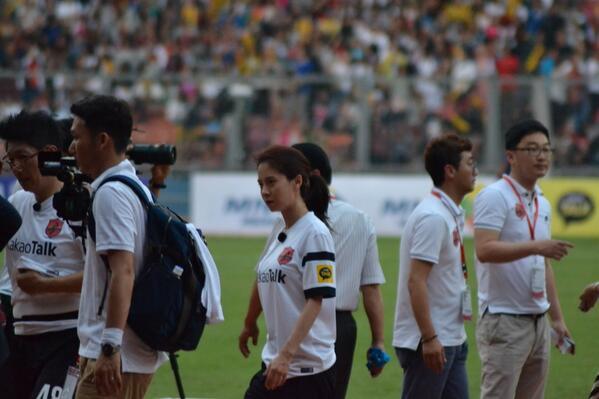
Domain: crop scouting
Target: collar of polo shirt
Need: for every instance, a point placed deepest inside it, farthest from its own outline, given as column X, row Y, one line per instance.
column 527, row 195
column 455, row 209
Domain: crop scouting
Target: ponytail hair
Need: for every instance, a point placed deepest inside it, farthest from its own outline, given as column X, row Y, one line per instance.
column 291, row 162
column 317, row 197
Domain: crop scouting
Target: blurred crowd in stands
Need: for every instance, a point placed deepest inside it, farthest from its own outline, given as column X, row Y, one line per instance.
column 404, row 71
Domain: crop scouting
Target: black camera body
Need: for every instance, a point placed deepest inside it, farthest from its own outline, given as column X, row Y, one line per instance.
column 73, row 200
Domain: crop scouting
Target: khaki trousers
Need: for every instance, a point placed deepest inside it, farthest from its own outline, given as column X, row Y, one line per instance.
column 134, row 385
column 514, row 354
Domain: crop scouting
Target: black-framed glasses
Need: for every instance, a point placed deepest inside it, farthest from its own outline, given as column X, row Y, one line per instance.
column 536, row 151
column 12, row 161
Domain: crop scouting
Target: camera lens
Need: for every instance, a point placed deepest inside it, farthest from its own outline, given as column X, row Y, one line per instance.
column 155, row 154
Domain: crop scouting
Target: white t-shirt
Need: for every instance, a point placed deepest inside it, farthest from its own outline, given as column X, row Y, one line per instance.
column 506, row 287
column 356, row 252
column 47, row 245
column 120, row 225
column 431, row 235
column 288, row 272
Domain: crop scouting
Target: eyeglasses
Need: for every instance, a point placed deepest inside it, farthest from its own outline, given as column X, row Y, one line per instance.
column 12, row 161
column 536, row 151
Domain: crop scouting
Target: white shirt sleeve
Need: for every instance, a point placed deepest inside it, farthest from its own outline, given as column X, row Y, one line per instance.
column 490, row 210
column 115, row 221
column 372, row 272
column 318, row 266
column 428, row 237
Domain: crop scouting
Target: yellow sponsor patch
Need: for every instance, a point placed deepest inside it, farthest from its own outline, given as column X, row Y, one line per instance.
column 325, row 273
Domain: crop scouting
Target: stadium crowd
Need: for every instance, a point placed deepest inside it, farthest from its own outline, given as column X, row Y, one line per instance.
column 406, row 71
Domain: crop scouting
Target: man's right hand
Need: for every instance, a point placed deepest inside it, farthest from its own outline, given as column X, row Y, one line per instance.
column 434, row 355
column 248, row 331
column 553, row 249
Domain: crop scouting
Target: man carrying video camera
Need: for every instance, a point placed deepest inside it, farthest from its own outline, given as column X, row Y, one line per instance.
column 114, row 361
column 44, row 261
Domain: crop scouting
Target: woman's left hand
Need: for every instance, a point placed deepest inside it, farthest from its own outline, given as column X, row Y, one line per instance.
column 276, row 372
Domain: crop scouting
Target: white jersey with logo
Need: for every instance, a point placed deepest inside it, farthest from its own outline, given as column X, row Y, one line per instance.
column 506, row 287
column 432, row 235
column 47, row 245
column 120, row 220
column 289, row 272
column 356, row 252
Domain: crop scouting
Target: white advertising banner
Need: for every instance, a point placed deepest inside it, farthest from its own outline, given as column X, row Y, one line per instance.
column 230, row 203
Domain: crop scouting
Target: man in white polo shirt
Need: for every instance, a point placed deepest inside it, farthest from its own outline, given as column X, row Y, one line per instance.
column 358, row 270
column 516, row 286
column 114, row 360
column 433, row 298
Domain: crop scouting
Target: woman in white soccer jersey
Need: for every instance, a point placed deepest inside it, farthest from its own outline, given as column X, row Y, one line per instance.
column 295, row 284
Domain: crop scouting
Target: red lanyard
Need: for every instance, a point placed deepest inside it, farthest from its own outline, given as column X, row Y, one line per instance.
column 457, row 229
column 531, row 225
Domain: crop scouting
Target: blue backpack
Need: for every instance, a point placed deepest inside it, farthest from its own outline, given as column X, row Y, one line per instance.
column 166, row 310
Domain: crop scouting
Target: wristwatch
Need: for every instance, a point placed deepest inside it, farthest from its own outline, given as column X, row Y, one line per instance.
column 110, row 349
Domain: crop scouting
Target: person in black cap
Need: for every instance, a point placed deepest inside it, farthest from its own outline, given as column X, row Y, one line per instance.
column 358, row 270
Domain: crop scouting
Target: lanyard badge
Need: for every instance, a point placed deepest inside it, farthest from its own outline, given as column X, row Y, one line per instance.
column 537, row 283
column 522, row 209
column 466, row 295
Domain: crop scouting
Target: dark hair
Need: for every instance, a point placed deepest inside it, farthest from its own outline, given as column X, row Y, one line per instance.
column 521, row 129
column 291, row 162
column 444, row 150
column 106, row 114
column 36, row 129
column 318, row 159
column 64, row 124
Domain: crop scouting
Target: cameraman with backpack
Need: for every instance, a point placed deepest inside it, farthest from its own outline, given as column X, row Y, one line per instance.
column 114, row 360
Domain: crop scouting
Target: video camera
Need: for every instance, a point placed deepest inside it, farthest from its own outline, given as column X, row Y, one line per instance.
column 73, row 200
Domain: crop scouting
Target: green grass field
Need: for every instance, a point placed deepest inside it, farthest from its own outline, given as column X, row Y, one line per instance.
column 217, row 369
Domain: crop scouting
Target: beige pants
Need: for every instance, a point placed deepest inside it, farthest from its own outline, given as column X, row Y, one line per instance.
column 134, row 385
column 514, row 354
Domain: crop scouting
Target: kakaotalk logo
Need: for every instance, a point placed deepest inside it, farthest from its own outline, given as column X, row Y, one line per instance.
column 575, row 207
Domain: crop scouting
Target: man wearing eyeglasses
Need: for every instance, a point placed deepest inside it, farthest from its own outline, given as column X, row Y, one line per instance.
column 516, row 285
column 44, row 262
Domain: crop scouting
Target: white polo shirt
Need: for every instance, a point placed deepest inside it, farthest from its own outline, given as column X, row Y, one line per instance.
column 431, row 235
column 289, row 272
column 120, row 225
column 356, row 252
column 46, row 244
column 506, row 287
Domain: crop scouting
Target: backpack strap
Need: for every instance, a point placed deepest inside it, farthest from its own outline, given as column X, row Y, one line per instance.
column 129, row 182
column 91, row 222
column 132, row 184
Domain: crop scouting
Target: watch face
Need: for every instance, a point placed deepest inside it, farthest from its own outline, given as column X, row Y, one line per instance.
column 108, row 349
